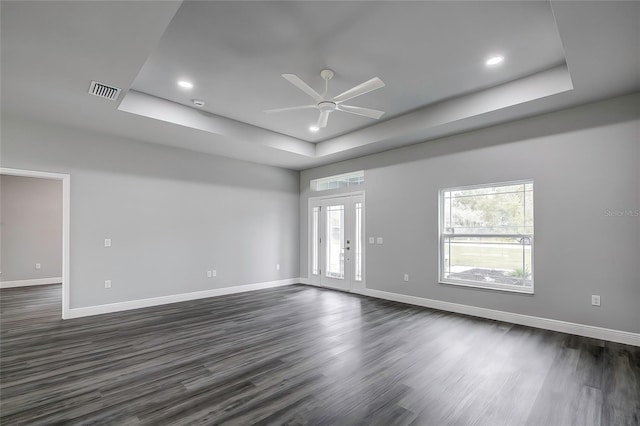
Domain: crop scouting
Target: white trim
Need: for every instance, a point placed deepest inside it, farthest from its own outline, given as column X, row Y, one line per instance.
column 31, row 173
column 488, row 286
column 618, row 336
column 339, row 194
column 66, row 217
column 27, row 283
column 490, row 184
column 163, row 300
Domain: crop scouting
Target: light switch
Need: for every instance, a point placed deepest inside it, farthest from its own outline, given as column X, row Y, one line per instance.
column 372, row 240
column 38, row 266
column 107, row 242
column 209, row 274
column 379, row 240
column 107, row 283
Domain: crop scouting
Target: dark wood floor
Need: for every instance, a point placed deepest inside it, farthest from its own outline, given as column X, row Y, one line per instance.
column 302, row 355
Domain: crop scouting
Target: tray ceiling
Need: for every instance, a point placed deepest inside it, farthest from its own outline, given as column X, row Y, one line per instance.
column 235, row 52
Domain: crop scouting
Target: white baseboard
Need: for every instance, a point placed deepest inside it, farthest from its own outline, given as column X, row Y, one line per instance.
column 26, row 283
column 618, row 336
column 163, row 300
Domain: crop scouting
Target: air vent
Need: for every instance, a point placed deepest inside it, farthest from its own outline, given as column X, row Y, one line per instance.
column 104, row 91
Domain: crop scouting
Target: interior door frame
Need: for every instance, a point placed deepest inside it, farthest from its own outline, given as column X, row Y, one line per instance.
column 66, row 208
column 355, row 285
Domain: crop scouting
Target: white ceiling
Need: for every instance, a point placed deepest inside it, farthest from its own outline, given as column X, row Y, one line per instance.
column 430, row 54
column 235, row 53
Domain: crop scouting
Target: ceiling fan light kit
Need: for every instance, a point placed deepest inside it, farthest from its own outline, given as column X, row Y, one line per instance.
column 326, row 105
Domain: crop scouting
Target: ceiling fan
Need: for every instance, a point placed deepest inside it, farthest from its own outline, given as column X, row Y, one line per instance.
column 326, row 105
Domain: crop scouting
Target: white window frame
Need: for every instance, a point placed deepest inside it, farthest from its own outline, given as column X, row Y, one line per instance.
column 442, row 234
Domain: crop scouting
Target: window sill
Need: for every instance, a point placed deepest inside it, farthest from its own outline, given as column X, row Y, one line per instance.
column 497, row 287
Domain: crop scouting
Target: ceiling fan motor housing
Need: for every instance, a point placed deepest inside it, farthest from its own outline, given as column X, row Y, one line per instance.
column 326, row 74
column 326, row 106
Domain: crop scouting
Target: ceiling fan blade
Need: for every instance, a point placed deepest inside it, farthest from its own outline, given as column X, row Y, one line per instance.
column 296, row 81
column 366, row 112
column 322, row 120
column 366, row 87
column 290, row 108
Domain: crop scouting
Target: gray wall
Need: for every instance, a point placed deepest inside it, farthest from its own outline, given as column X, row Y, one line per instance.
column 172, row 214
column 31, row 217
column 585, row 162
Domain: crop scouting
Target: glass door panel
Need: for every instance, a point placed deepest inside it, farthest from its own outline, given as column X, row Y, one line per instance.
column 357, row 252
column 315, row 241
column 335, row 242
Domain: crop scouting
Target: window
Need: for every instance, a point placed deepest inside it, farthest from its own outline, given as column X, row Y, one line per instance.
column 486, row 236
column 338, row 181
column 315, row 240
column 358, row 244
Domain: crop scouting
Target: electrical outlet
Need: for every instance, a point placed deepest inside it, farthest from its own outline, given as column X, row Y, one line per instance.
column 406, row 278
column 277, row 266
column 595, row 300
column 209, row 274
column 379, row 240
column 107, row 283
column 107, row 242
column 38, row 266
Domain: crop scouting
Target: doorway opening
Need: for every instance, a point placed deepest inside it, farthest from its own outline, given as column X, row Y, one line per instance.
column 66, row 185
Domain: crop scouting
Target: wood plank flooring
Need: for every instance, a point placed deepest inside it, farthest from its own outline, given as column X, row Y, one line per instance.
column 301, row 355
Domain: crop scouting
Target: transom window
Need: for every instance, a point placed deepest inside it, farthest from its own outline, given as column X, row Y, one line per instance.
column 338, row 181
column 486, row 236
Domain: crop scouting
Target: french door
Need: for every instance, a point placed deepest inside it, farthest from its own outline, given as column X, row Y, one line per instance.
column 336, row 246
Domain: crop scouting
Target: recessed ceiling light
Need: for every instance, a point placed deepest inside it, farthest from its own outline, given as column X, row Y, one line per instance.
column 185, row 84
column 313, row 129
column 198, row 102
column 494, row 60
